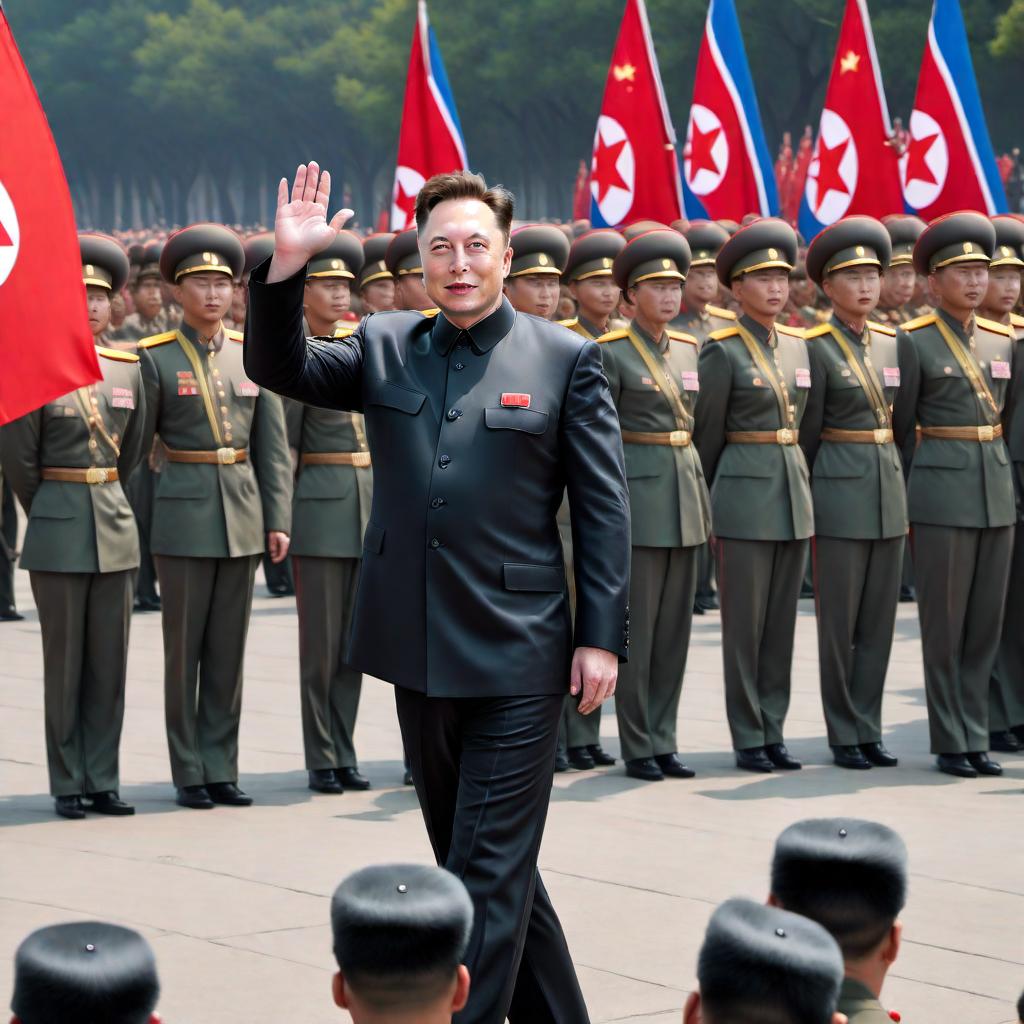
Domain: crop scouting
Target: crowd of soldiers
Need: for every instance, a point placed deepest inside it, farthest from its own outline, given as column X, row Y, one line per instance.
column 785, row 411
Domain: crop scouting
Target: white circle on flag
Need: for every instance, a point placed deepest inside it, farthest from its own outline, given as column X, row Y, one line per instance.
column 833, row 171
column 612, row 170
column 403, row 197
column 712, row 148
column 926, row 161
column 10, row 234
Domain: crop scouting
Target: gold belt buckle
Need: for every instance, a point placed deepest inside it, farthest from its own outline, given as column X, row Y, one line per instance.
column 882, row 435
column 96, row 475
column 986, row 433
column 226, row 456
column 784, row 436
column 679, row 438
column 361, row 459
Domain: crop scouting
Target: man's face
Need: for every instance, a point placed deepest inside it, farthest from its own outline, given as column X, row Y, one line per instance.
column 147, row 298
column 854, row 291
column 701, row 286
column 762, row 293
column 898, row 285
column 378, row 295
column 596, row 297
column 1003, row 292
column 410, row 292
column 466, row 258
column 657, row 301
column 205, row 296
column 534, row 293
column 802, row 290
column 327, row 298
column 960, row 286
column 97, row 302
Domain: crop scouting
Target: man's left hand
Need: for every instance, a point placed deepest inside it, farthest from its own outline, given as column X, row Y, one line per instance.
column 594, row 671
column 277, row 545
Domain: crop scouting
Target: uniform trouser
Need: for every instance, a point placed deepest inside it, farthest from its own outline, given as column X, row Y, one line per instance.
column 139, row 491
column 857, row 590
column 662, row 584
column 1006, row 691
column 706, row 572
column 482, row 768
column 205, row 614
column 759, row 589
column 325, row 594
column 84, row 620
column 8, row 542
column 961, row 578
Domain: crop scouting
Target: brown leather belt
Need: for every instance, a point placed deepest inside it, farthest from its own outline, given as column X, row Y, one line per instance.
column 674, row 438
column 360, row 459
column 92, row 475
column 218, row 456
column 985, row 433
column 783, row 436
column 879, row 436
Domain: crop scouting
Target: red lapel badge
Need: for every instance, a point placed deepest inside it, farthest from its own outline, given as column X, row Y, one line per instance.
column 513, row 400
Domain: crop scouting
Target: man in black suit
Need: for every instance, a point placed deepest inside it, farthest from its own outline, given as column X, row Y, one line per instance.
column 478, row 419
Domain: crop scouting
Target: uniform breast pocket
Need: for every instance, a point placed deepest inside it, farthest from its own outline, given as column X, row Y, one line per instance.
column 394, row 396
column 529, row 421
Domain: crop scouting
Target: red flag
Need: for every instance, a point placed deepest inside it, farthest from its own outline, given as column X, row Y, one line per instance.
column 635, row 172
column 855, row 167
column 41, row 292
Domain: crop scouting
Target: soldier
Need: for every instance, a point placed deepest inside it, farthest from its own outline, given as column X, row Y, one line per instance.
column 1006, row 696
column 860, row 501
column 849, row 876
column 376, row 283
column 960, row 496
column 150, row 316
column 539, row 252
column 329, row 514
column 652, row 373
column 65, row 462
column 754, row 381
column 402, row 259
column 211, row 516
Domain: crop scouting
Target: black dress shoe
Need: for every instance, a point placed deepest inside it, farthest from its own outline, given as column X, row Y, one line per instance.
column 10, row 614
column 983, row 764
column 955, row 764
column 645, row 768
column 753, row 759
column 351, row 779
column 806, row 592
column 600, row 755
column 707, row 602
column 698, row 608
column 324, row 780
column 109, row 803
column 1018, row 731
column 671, row 765
column 280, row 590
column 561, row 763
column 781, row 757
column 147, row 604
column 194, row 797
column 878, row 755
column 227, row 793
column 1005, row 742
column 579, row 758
column 407, row 778
column 850, row 757
column 907, row 595
column 69, row 806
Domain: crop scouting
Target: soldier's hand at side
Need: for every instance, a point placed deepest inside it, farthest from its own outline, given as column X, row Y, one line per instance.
column 301, row 228
column 594, row 671
column 277, row 545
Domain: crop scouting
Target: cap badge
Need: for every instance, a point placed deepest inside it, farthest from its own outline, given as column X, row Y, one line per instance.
column 666, row 264
column 859, row 250
column 1006, row 250
column 773, row 254
column 335, row 264
column 542, row 260
column 606, row 263
column 90, row 269
column 968, row 247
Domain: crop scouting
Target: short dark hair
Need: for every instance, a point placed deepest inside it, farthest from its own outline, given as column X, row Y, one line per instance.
column 464, row 185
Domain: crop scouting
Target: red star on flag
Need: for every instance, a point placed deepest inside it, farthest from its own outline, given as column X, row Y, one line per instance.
column 699, row 151
column 828, row 177
column 605, row 173
column 917, row 169
column 406, row 202
column 5, row 238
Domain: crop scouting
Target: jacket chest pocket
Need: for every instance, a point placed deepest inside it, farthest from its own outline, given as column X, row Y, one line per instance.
column 527, row 421
column 394, row 396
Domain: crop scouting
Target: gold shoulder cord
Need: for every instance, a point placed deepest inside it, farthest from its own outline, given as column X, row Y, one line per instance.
column 84, row 396
column 668, row 386
column 200, row 374
column 873, row 390
column 970, row 367
column 754, row 349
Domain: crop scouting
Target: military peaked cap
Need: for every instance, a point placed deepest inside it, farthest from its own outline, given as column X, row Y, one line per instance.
column 660, row 253
column 850, row 242
column 342, row 258
column 199, row 248
column 706, row 238
column 904, row 231
column 374, row 268
column 1009, row 250
column 104, row 261
column 962, row 237
column 592, row 254
column 762, row 245
column 538, row 249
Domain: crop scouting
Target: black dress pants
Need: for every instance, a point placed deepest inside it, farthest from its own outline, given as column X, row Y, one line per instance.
column 482, row 769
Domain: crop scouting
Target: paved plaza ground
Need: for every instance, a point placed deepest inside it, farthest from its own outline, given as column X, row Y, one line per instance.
column 235, row 901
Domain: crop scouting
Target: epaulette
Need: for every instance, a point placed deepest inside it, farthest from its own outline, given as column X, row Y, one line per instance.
column 819, row 330
column 919, row 321
column 726, row 314
column 233, row 335
column 793, row 332
column 682, row 336
column 429, row 312
column 158, row 339
column 343, row 332
column 114, row 353
column 723, row 333
column 571, row 322
column 1016, row 320
column 995, row 326
column 613, row 336
column 882, row 328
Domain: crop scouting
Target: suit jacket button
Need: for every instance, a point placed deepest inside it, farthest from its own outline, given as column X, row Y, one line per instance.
column 444, row 461
column 434, row 542
column 454, row 414
column 438, row 502
column 459, row 366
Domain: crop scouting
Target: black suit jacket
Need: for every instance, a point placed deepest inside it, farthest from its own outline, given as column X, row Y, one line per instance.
column 462, row 591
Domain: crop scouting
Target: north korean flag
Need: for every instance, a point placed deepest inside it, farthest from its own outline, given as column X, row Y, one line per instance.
column 949, row 164
column 634, row 172
column 727, row 170
column 46, row 347
column 854, row 168
column 431, row 137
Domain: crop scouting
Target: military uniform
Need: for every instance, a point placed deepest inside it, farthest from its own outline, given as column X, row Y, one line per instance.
column 211, row 516
column 960, row 497
column 654, row 387
column 65, row 462
column 860, row 504
column 754, row 383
